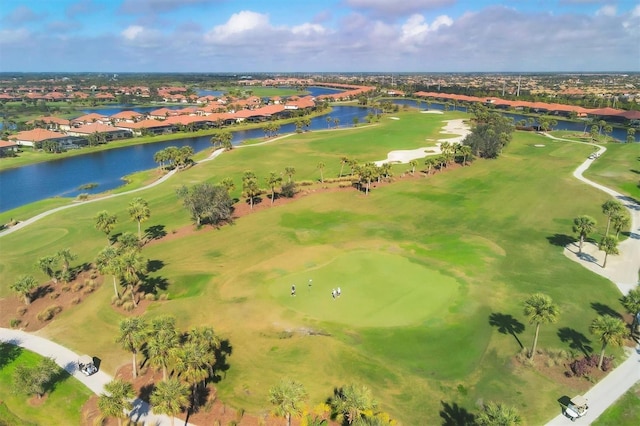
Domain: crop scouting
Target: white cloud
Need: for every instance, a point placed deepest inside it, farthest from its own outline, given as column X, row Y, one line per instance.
column 239, row 23
column 307, row 29
column 606, row 10
column 416, row 28
column 132, row 32
column 12, row 37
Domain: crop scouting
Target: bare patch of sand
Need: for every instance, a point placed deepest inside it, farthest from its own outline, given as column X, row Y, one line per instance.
column 431, row 111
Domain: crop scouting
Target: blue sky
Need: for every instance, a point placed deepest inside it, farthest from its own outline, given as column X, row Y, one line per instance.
column 319, row 35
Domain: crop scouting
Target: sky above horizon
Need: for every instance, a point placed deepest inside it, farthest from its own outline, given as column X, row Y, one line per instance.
column 319, row 35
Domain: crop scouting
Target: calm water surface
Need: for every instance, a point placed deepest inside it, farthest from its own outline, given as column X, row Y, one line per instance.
column 61, row 178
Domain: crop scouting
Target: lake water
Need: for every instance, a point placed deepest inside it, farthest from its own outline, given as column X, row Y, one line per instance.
column 62, row 177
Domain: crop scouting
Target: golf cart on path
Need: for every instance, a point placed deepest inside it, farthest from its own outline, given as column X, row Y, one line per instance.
column 576, row 408
column 86, row 365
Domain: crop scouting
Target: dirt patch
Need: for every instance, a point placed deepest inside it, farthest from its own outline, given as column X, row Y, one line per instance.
column 56, row 297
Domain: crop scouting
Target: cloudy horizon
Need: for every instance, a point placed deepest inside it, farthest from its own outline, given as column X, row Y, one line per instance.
column 319, row 36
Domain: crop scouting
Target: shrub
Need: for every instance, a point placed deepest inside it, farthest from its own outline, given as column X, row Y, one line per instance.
column 344, row 185
column 54, row 296
column 49, row 313
column 76, row 300
column 118, row 302
column 114, row 299
column 87, row 290
column 77, row 287
column 14, row 322
column 288, row 190
column 65, row 288
column 128, row 306
column 305, row 183
column 164, row 296
column 21, row 310
column 94, row 275
column 82, row 197
column 150, row 296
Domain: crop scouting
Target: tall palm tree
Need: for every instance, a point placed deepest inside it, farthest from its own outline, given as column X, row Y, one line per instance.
column 139, row 212
column 610, row 331
column 132, row 335
column 343, row 161
column 48, row 265
column 609, row 245
column 207, row 338
column 631, row 302
column 159, row 349
column 228, row 184
column 287, row 398
column 290, row 171
column 273, row 180
column 107, row 263
column 133, row 267
column 413, row 164
column 352, row 402
column 583, row 226
column 105, row 222
column 23, row 286
column 620, row 221
column 192, row 361
column 250, row 189
column 610, row 208
column 66, row 256
column 540, row 309
column 465, row 151
column 116, row 402
column 497, row 414
column 321, row 167
column 170, row 397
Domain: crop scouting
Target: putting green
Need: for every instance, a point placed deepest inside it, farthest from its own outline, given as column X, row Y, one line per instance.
column 378, row 289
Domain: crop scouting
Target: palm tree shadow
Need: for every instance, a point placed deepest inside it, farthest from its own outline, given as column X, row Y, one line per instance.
column 454, row 415
column 506, row 324
column 602, row 309
column 575, row 339
column 561, row 240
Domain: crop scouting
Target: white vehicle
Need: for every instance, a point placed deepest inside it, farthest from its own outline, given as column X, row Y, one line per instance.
column 86, row 365
column 576, row 408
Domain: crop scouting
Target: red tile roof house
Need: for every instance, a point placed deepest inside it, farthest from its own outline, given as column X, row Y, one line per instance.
column 6, row 147
column 53, row 123
column 156, row 127
column 34, row 138
column 110, row 132
column 90, row 118
column 128, row 116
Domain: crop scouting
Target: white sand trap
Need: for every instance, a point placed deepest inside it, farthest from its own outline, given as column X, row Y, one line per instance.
column 539, row 145
column 455, row 127
column 431, row 111
column 394, row 118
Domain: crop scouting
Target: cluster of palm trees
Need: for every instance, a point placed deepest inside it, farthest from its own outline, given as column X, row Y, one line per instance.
column 251, row 188
column 172, row 157
column 271, row 129
column 540, row 309
column 187, row 361
column 617, row 218
column 349, row 405
column 222, row 139
column 26, row 283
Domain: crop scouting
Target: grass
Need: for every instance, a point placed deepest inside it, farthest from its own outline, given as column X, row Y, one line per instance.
column 422, row 265
column 625, row 411
column 62, row 405
column 619, row 167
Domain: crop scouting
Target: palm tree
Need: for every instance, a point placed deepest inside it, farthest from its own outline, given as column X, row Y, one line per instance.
column 287, row 398
column 351, row 403
column 631, row 302
column 193, row 362
column 107, row 264
column 540, row 309
column 250, row 189
column 105, row 222
column 159, row 349
column 290, row 171
column 23, row 286
column 497, row 414
column 207, row 338
column 583, row 226
column 48, row 264
column 609, row 245
column 329, row 121
column 66, row 256
column 610, row 331
column 273, row 180
column 343, row 161
column 139, row 212
column 465, row 151
column 413, row 164
column 430, row 162
column 133, row 333
column 133, row 267
column 321, row 167
column 228, row 184
column 116, row 402
column 620, row 221
column 170, row 397
column 610, row 208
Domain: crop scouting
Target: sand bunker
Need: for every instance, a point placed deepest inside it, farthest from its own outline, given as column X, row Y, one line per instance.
column 455, row 127
column 394, row 118
column 539, row 145
column 431, row 111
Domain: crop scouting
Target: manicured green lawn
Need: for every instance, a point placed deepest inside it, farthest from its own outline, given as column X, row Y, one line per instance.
column 62, row 405
column 619, row 167
column 423, row 264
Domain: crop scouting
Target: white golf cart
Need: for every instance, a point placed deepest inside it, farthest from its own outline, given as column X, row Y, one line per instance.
column 86, row 365
column 577, row 407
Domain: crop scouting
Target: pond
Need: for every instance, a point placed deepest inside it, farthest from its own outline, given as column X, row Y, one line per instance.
column 63, row 177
